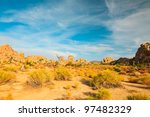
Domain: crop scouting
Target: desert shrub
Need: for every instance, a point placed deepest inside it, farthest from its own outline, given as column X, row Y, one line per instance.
column 62, row 74
column 143, row 80
column 132, row 69
column 67, row 87
column 51, row 86
column 133, row 79
column 90, row 73
column 117, row 69
column 68, row 95
column 107, row 79
column 146, row 80
column 138, row 96
column 103, row 94
column 38, row 77
column 81, row 73
column 12, row 68
column 6, row 76
column 76, row 85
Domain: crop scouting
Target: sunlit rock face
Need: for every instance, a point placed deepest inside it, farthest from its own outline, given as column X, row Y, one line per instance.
column 143, row 53
column 8, row 55
column 107, row 60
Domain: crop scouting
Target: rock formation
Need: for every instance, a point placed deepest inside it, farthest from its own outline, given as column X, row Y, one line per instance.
column 61, row 60
column 81, row 61
column 122, row 61
column 36, row 59
column 8, row 55
column 143, row 54
column 70, row 58
column 107, row 60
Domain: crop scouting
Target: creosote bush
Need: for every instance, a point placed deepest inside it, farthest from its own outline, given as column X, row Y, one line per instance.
column 107, row 79
column 38, row 77
column 62, row 73
column 6, row 77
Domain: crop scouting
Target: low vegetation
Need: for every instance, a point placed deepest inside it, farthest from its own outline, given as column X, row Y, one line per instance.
column 38, row 77
column 102, row 94
column 138, row 96
column 6, row 76
column 141, row 80
column 62, row 73
column 11, row 68
column 107, row 79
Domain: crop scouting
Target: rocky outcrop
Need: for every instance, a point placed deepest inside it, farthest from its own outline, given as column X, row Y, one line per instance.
column 122, row 61
column 61, row 60
column 143, row 54
column 107, row 60
column 36, row 60
column 70, row 59
column 81, row 61
column 8, row 55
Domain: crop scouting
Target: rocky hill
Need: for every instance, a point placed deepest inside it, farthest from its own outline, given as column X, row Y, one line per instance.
column 8, row 55
column 107, row 60
column 142, row 56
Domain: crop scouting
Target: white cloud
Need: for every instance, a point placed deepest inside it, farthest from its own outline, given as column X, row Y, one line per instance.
column 133, row 29
column 121, row 8
column 129, row 24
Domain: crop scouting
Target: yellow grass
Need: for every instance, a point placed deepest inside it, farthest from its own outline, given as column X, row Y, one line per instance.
column 38, row 77
column 6, row 77
column 62, row 73
column 106, row 78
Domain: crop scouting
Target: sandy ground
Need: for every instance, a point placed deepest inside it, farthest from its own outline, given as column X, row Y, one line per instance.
column 63, row 90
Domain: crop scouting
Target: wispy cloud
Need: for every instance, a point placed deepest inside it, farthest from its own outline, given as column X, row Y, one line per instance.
column 47, row 28
column 129, row 24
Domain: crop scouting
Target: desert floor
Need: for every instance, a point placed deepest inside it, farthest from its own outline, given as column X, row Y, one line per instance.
column 18, row 90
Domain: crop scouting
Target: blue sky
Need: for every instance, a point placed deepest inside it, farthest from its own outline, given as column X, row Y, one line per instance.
column 91, row 29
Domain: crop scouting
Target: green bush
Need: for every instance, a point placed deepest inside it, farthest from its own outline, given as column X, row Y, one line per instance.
column 62, row 74
column 6, row 76
column 38, row 77
column 107, row 79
